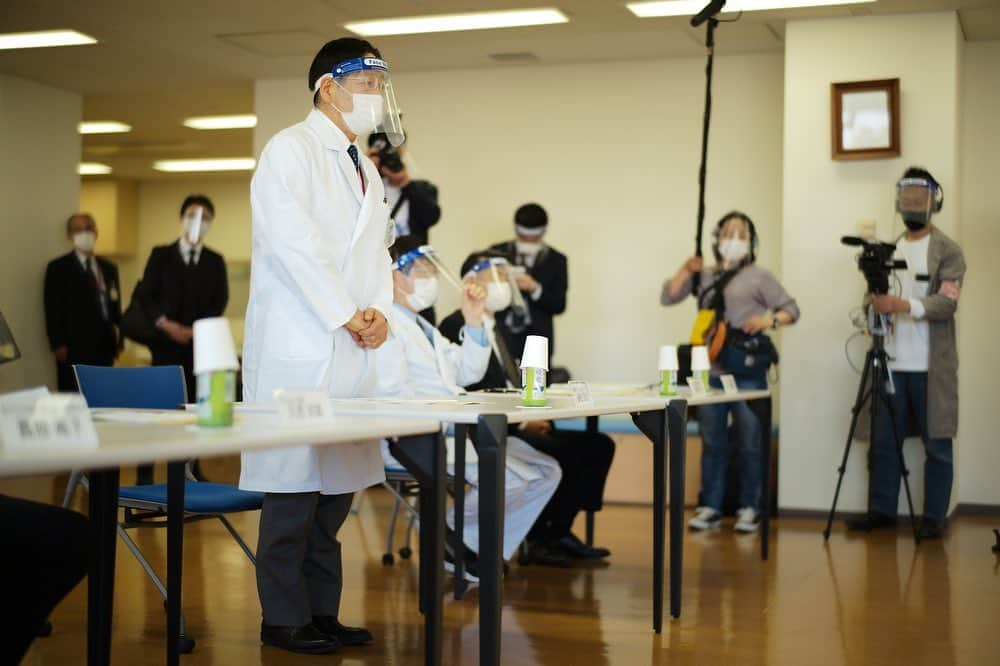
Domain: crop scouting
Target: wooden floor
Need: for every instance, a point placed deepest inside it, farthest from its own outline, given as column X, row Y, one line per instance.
column 874, row 600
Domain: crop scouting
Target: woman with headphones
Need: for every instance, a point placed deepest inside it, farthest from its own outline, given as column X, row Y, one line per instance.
column 740, row 302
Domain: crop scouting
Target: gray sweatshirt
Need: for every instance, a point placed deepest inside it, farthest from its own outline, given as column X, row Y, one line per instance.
column 753, row 291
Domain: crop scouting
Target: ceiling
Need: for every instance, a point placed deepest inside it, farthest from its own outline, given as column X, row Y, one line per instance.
column 159, row 62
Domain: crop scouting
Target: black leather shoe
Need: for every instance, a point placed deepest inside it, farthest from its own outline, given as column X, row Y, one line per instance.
column 873, row 520
column 346, row 636
column 930, row 528
column 542, row 554
column 577, row 549
column 306, row 640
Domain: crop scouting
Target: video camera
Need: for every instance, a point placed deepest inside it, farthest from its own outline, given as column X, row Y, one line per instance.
column 388, row 156
column 875, row 262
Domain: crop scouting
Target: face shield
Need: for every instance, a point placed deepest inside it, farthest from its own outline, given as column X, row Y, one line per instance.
column 425, row 271
column 196, row 222
column 494, row 274
column 365, row 98
column 915, row 201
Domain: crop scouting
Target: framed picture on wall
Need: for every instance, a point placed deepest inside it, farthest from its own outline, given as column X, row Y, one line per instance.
column 864, row 119
column 8, row 348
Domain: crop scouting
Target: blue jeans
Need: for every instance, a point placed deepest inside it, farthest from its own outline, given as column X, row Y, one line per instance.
column 910, row 401
column 713, row 421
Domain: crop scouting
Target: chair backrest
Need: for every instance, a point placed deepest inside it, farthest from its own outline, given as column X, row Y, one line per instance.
column 156, row 387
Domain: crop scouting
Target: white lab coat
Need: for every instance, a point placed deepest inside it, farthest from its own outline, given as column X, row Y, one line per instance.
column 319, row 254
column 409, row 366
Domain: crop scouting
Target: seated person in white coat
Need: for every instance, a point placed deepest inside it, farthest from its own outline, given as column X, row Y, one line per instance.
column 417, row 361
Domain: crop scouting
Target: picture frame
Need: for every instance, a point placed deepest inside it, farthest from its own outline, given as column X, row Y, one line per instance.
column 8, row 348
column 864, row 119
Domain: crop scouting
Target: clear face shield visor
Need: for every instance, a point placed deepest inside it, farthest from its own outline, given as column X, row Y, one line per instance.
column 915, row 200
column 367, row 100
column 494, row 274
column 424, row 263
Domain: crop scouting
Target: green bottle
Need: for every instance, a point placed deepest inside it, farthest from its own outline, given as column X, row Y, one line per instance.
column 216, row 394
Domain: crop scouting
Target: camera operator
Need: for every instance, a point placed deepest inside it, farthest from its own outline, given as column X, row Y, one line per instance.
column 923, row 359
column 748, row 300
column 413, row 203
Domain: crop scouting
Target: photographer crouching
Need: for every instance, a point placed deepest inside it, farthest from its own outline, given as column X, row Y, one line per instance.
column 739, row 302
column 923, row 360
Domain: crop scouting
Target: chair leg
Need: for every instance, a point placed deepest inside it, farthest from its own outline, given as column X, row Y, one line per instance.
column 186, row 643
column 239, row 539
column 75, row 478
column 356, row 502
column 406, row 551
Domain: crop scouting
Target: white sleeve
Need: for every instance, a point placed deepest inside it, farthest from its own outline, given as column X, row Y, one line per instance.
column 917, row 309
column 469, row 359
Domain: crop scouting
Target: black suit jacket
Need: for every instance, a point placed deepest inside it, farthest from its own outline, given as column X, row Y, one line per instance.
column 73, row 315
column 182, row 293
column 496, row 376
column 424, row 211
column 551, row 270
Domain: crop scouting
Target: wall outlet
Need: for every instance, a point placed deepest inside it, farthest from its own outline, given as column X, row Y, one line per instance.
column 867, row 229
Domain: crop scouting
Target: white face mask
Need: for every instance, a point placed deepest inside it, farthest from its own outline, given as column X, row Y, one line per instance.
column 524, row 247
column 425, row 293
column 84, row 241
column 195, row 228
column 498, row 296
column 366, row 114
column 734, row 249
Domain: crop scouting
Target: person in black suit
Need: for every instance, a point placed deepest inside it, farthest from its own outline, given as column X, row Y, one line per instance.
column 82, row 304
column 585, row 458
column 543, row 278
column 183, row 282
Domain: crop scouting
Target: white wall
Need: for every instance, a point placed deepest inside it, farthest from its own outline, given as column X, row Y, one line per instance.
column 824, row 199
column 979, row 454
column 39, row 188
column 611, row 151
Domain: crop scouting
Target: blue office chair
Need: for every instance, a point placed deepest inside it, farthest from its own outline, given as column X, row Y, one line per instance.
column 158, row 387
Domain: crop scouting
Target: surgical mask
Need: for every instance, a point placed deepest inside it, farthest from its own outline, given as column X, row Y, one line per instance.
column 498, row 296
column 528, row 248
column 915, row 220
column 84, row 241
column 366, row 114
column 194, row 229
column 425, row 293
column 734, row 249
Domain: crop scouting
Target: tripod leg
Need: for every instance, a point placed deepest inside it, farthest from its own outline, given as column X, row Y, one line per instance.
column 880, row 391
column 859, row 403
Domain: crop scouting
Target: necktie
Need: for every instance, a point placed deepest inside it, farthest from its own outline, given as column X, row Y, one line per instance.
column 502, row 353
column 101, row 295
column 352, row 150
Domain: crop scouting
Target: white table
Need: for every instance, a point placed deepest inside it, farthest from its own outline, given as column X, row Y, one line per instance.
column 661, row 419
column 420, row 447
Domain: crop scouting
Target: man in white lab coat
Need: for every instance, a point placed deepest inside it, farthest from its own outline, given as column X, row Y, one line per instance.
column 320, row 291
column 418, row 361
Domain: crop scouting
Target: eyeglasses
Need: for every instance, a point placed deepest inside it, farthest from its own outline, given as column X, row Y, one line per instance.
column 365, row 81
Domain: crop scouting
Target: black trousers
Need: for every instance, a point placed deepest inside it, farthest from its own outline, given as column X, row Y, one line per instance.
column 44, row 554
column 299, row 566
column 585, row 459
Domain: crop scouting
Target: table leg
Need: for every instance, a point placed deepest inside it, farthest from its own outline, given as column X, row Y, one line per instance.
column 762, row 409
column 103, row 503
column 175, row 558
column 677, row 433
column 491, row 445
column 593, row 427
column 458, row 546
column 424, row 457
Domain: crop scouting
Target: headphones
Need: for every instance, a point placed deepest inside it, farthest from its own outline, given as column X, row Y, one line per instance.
column 754, row 241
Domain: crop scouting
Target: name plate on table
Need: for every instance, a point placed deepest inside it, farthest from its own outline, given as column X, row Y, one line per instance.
column 303, row 406
column 50, row 422
column 581, row 393
column 697, row 386
column 729, row 386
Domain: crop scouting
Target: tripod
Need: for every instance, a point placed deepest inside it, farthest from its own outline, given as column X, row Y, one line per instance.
column 879, row 391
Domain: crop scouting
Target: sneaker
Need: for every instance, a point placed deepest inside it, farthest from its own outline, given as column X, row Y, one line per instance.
column 705, row 518
column 746, row 520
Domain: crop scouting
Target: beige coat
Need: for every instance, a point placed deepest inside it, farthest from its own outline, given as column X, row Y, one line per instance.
column 945, row 263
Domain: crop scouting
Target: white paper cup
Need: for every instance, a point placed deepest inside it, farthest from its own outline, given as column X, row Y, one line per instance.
column 536, row 352
column 668, row 358
column 699, row 359
column 213, row 346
